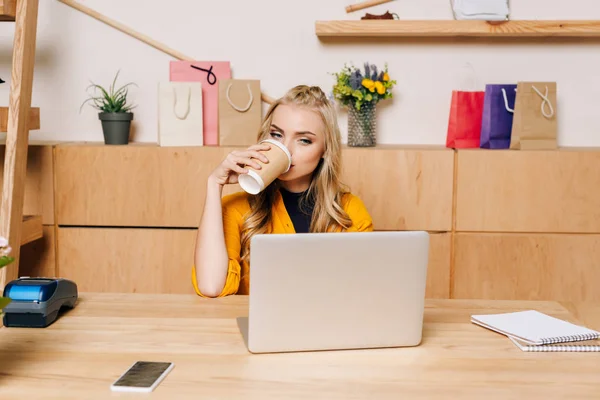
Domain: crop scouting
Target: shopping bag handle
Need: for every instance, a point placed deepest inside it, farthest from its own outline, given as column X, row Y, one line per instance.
column 506, row 101
column 545, row 100
column 210, row 74
column 187, row 111
column 247, row 107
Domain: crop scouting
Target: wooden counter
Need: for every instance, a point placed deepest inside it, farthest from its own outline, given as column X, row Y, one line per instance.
column 89, row 347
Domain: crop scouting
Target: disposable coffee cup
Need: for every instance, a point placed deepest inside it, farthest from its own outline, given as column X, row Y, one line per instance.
column 280, row 161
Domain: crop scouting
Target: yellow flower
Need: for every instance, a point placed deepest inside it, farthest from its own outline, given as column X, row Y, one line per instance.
column 380, row 88
column 369, row 84
column 386, row 77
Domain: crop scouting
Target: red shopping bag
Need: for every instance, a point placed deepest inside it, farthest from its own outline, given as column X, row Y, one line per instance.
column 464, row 123
column 208, row 73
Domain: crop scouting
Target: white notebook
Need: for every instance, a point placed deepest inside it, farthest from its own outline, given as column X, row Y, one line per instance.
column 589, row 345
column 534, row 328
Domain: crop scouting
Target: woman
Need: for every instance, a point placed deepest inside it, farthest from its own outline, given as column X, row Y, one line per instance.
column 307, row 198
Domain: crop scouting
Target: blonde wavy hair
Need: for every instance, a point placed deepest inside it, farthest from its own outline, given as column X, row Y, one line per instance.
column 325, row 190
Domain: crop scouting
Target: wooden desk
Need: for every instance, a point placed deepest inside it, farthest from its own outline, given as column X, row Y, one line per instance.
column 89, row 347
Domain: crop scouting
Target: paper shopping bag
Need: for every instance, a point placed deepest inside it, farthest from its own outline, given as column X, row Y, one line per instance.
column 240, row 112
column 534, row 122
column 487, row 10
column 208, row 73
column 464, row 123
column 497, row 118
column 180, row 114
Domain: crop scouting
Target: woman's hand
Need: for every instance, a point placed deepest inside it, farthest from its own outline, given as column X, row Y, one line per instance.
column 236, row 162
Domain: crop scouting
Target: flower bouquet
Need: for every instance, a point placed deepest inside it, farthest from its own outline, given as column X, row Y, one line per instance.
column 5, row 259
column 360, row 91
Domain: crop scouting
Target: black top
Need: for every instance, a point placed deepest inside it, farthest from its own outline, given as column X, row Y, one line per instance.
column 300, row 217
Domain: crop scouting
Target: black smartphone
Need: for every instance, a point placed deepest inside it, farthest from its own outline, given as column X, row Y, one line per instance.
column 142, row 376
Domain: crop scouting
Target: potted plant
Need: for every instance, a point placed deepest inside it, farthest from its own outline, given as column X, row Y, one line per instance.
column 5, row 259
column 115, row 112
column 360, row 91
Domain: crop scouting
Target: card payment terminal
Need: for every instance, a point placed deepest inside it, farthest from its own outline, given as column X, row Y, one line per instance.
column 35, row 302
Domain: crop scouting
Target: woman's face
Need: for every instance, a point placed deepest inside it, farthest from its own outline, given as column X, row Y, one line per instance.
column 302, row 131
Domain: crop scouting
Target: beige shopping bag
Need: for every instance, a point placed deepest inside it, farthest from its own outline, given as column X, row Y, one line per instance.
column 534, row 122
column 180, row 114
column 240, row 112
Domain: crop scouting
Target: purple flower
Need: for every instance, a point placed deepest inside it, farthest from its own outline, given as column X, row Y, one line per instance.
column 356, row 80
column 374, row 75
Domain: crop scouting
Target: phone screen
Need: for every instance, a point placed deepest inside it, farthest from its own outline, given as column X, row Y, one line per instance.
column 143, row 375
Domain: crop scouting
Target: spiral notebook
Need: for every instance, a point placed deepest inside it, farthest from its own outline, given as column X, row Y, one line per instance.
column 533, row 328
column 588, row 345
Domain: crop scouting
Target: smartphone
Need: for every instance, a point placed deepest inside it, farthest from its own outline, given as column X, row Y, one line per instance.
column 142, row 376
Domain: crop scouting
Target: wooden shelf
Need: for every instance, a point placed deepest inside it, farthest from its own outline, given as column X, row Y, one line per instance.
column 8, row 9
column 31, row 229
column 34, row 118
column 450, row 28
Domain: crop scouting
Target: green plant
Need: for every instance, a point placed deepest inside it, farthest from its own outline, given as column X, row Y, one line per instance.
column 354, row 87
column 5, row 259
column 111, row 100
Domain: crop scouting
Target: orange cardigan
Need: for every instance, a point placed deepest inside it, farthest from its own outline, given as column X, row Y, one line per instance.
column 235, row 207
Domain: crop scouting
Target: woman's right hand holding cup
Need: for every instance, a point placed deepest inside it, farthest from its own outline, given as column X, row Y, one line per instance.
column 236, row 163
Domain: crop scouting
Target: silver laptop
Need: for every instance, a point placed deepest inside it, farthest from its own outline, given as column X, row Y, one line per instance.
column 334, row 291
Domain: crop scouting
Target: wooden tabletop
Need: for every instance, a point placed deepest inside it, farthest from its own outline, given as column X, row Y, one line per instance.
column 89, row 347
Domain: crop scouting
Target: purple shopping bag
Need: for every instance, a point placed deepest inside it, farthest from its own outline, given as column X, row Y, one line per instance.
column 497, row 119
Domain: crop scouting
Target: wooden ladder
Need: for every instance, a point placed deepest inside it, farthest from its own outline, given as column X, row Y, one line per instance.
column 19, row 119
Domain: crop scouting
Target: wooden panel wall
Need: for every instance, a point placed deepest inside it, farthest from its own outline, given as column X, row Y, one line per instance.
column 143, row 188
column 527, row 225
column 134, row 185
column 404, row 189
column 438, row 269
column 527, row 266
column 38, row 258
column 528, row 191
column 503, row 224
column 132, row 260
column 158, row 260
column 152, row 186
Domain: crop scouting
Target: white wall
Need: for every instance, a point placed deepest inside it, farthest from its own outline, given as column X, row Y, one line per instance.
column 274, row 41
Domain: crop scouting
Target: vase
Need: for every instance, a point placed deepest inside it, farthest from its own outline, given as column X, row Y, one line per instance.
column 362, row 126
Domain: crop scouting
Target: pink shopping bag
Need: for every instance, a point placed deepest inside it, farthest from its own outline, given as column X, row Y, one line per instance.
column 208, row 73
